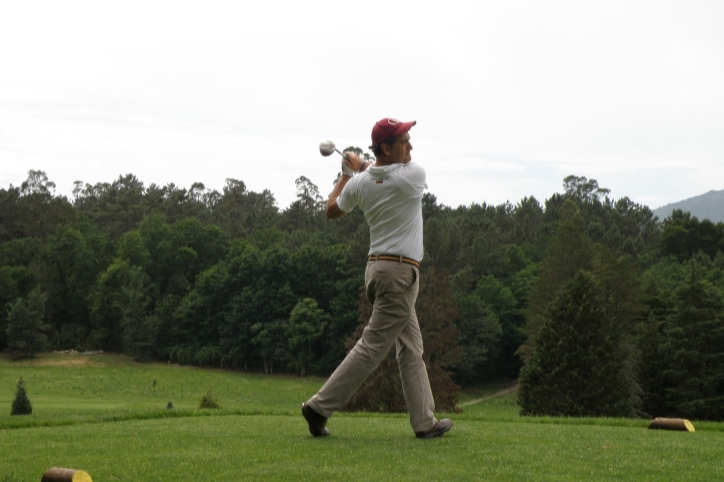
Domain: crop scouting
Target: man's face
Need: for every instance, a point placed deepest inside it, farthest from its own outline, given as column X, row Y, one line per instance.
column 400, row 151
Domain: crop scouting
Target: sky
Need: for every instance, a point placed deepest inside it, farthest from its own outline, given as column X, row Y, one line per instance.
column 509, row 97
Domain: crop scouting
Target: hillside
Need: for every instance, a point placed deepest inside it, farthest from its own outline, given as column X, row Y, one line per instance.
column 706, row 206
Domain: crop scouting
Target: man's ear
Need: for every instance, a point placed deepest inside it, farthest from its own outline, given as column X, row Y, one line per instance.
column 386, row 150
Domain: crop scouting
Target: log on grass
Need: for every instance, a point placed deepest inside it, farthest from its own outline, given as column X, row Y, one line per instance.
column 58, row 474
column 672, row 424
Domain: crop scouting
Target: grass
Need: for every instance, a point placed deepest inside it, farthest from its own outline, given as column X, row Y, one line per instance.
column 67, row 389
column 58, row 383
column 260, row 435
column 362, row 448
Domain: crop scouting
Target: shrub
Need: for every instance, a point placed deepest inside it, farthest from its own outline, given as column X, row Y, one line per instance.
column 207, row 356
column 169, row 406
column 21, row 404
column 209, row 401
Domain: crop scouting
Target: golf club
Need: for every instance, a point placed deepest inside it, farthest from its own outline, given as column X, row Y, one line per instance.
column 326, row 148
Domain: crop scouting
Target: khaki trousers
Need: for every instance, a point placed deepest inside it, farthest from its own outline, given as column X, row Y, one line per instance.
column 392, row 289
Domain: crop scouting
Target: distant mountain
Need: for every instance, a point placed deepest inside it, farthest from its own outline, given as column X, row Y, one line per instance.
column 707, row 206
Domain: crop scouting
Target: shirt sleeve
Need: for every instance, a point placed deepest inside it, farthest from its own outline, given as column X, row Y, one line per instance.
column 347, row 200
column 416, row 176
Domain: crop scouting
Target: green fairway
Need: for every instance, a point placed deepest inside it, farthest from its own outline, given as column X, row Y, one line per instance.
column 260, row 434
column 361, row 448
column 78, row 383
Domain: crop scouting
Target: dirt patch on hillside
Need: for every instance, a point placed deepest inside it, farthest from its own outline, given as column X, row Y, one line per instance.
column 69, row 361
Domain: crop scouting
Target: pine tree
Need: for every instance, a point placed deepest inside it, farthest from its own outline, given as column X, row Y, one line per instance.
column 695, row 348
column 139, row 328
column 570, row 251
column 657, row 285
column 580, row 365
column 479, row 335
column 26, row 324
column 21, row 404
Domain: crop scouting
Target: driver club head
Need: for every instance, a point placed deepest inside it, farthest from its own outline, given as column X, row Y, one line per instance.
column 327, row 148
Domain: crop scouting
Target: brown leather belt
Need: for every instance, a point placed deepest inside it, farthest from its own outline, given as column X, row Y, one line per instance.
column 392, row 257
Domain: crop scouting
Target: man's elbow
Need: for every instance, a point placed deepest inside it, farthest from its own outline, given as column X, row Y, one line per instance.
column 333, row 211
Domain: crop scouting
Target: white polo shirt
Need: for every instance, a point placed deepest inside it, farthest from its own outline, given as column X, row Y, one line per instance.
column 391, row 199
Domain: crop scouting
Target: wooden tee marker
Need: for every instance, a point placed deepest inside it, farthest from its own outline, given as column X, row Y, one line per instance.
column 57, row 474
column 672, row 424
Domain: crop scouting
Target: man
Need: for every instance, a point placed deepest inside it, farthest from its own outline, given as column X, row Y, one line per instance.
column 389, row 192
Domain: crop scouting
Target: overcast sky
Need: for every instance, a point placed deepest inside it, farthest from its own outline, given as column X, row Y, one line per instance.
column 510, row 96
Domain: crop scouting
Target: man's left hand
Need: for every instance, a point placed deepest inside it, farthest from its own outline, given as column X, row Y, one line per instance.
column 351, row 164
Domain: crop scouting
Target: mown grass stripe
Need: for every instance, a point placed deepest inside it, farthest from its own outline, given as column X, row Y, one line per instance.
column 269, row 447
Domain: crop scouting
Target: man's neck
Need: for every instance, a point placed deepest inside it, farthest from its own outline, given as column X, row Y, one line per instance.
column 384, row 160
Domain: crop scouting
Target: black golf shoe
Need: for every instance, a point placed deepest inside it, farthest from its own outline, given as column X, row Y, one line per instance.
column 317, row 423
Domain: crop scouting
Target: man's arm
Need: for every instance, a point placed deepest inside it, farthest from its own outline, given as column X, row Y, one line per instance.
column 355, row 164
column 333, row 211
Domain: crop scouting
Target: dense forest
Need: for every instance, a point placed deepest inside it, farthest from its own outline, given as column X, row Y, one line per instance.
column 597, row 306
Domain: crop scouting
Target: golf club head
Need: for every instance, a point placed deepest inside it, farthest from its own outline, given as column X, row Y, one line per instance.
column 327, row 148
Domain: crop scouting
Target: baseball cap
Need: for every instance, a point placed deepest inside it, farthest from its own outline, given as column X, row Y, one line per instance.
column 388, row 127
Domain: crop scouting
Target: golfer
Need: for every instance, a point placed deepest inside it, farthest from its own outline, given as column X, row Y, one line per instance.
column 389, row 192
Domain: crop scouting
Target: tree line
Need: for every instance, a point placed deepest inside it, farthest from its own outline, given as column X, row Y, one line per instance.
column 599, row 307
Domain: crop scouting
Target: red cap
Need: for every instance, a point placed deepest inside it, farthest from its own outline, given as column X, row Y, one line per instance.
column 389, row 127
